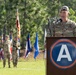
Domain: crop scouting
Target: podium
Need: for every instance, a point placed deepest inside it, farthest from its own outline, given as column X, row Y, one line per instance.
column 61, row 56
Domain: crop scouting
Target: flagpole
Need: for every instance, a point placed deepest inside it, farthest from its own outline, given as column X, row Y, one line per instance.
column 17, row 19
column 18, row 33
column 35, row 59
column 45, row 34
column 17, row 23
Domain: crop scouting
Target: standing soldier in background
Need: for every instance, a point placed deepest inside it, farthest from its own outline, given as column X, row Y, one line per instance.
column 14, row 52
column 6, row 52
column 1, row 50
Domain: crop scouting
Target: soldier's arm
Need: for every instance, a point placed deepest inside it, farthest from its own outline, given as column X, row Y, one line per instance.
column 75, row 31
column 74, row 28
column 2, row 45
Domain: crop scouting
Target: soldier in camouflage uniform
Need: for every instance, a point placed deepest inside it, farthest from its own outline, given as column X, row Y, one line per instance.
column 6, row 52
column 1, row 46
column 64, row 27
column 14, row 52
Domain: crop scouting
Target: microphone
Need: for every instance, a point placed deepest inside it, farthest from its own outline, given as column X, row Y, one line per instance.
column 58, row 21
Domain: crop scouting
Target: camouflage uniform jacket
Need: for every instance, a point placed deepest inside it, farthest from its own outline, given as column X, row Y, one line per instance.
column 5, row 46
column 63, row 29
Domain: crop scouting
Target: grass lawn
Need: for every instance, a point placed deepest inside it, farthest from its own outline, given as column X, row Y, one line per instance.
column 28, row 67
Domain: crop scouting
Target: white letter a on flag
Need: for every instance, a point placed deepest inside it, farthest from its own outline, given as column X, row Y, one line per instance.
column 66, row 55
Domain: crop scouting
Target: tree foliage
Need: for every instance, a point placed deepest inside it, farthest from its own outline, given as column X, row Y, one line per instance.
column 33, row 15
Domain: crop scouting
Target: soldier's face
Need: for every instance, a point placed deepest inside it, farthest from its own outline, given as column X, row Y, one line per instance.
column 15, row 39
column 6, row 38
column 64, row 14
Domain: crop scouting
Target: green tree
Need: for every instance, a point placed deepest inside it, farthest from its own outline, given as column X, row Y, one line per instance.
column 33, row 15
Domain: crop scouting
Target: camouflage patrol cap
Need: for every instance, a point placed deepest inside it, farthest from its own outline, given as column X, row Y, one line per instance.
column 7, row 36
column 64, row 8
column 15, row 36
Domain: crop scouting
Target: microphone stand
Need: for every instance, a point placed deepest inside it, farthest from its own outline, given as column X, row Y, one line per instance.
column 50, row 27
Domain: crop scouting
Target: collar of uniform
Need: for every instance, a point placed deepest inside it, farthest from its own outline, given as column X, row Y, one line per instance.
column 66, row 21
